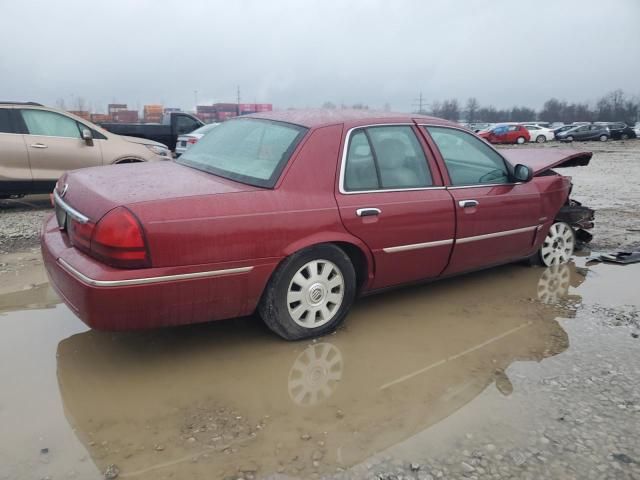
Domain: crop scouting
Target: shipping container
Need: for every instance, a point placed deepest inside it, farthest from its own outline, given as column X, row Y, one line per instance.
column 126, row 116
column 264, row 107
column 80, row 113
column 205, row 109
column 226, row 107
column 100, row 118
column 116, row 107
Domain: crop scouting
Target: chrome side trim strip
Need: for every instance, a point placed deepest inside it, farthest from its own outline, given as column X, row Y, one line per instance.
column 72, row 212
column 459, row 187
column 416, row 246
column 143, row 281
column 496, row 234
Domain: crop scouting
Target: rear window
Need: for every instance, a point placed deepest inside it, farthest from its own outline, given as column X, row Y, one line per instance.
column 252, row 151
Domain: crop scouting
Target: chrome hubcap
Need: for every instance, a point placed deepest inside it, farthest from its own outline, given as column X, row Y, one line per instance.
column 315, row 293
column 558, row 245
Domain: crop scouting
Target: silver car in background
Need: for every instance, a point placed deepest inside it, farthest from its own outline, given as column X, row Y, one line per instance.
column 188, row 139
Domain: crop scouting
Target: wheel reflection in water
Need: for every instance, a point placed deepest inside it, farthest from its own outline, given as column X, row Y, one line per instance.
column 315, row 374
column 554, row 284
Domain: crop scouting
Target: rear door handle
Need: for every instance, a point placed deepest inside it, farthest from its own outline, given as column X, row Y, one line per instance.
column 38, row 145
column 367, row 212
column 468, row 203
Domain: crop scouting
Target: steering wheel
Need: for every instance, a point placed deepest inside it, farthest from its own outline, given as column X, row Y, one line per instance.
column 491, row 175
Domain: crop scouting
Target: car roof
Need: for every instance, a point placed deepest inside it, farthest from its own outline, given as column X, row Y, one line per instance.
column 314, row 118
column 34, row 104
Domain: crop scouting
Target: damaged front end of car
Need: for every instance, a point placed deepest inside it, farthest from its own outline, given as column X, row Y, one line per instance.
column 542, row 162
column 580, row 218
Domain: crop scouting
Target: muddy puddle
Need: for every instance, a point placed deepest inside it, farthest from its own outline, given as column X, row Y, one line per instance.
column 229, row 398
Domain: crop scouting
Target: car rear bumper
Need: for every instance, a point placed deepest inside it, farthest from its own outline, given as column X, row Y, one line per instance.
column 106, row 298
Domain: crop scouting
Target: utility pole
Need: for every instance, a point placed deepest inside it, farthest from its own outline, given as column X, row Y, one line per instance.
column 195, row 96
column 420, row 104
column 238, row 97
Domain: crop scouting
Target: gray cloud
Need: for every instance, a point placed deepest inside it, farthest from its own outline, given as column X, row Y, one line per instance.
column 302, row 53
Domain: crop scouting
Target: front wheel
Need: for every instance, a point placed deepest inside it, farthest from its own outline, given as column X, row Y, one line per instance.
column 310, row 293
column 625, row 136
column 558, row 246
column 569, row 138
column 541, row 139
column 603, row 138
column 520, row 140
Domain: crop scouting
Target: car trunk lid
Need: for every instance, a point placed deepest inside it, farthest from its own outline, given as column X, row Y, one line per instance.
column 95, row 191
column 543, row 159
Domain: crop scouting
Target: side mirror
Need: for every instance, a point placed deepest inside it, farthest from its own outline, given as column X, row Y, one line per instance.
column 522, row 173
column 87, row 136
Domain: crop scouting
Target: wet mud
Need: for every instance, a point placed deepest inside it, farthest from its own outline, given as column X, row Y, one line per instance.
column 228, row 398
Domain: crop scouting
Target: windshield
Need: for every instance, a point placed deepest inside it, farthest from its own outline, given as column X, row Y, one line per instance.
column 248, row 150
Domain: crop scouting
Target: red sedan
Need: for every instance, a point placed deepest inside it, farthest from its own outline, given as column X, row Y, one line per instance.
column 295, row 213
column 506, row 134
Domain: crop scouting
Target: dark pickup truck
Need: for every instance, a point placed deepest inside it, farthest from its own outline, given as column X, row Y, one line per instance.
column 173, row 125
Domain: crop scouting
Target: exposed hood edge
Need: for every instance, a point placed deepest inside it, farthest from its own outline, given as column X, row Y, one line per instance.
column 542, row 159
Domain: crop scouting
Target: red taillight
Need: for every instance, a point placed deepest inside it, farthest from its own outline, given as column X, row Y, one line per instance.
column 118, row 240
column 192, row 140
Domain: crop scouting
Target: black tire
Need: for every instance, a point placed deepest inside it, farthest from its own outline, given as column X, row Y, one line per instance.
column 521, row 140
column 541, row 139
column 625, row 136
column 273, row 308
column 603, row 138
column 569, row 138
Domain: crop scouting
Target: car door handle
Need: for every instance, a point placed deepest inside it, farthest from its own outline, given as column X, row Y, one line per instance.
column 38, row 145
column 468, row 203
column 367, row 212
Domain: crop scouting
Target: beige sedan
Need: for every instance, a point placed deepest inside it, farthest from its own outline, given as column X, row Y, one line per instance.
column 38, row 144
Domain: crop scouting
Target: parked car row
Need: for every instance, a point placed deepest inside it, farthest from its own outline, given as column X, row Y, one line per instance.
column 38, row 144
column 520, row 133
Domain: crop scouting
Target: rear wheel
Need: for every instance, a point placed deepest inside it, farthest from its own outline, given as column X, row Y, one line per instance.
column 603, row 138
column 558, row 246
column 625, row 136
column 541, row 139
column 310, row 293
column 520, row 140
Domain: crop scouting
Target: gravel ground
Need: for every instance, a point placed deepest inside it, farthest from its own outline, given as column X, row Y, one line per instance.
column 585, row 416
column 20, row 222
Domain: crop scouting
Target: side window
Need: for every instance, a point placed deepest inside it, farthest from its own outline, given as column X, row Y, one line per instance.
column 400, row 159
column 360, row 171
column 385, row 158
column 51, row 124
column 470, row 161
column 5, row 121
column 185, row 125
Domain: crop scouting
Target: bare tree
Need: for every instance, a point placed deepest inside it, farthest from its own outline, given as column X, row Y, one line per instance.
column 471, row 110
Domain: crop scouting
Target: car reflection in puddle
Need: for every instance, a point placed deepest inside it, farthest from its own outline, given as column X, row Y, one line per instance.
column 214, row 400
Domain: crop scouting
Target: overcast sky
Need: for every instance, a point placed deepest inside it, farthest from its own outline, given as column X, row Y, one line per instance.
column 305, row 52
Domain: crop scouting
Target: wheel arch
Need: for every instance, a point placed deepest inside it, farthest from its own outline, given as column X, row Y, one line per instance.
column 359, row 254
column 128, row 159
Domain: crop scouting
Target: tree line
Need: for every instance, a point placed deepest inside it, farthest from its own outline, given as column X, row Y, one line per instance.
column 615, row 106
